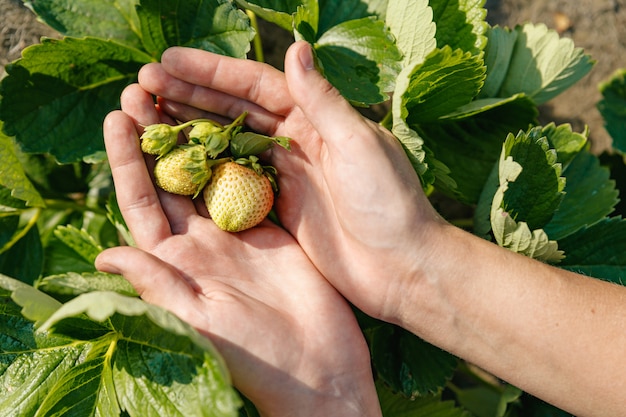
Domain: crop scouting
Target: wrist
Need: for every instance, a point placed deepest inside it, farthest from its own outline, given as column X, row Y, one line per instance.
column 426, row 295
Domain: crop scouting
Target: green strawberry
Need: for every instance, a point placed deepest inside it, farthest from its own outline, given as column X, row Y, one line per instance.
column 184, row 170
column 159, row 139
column 238, row 197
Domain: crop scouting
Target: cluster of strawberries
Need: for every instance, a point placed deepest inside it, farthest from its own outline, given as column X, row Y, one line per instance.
column 219, row 161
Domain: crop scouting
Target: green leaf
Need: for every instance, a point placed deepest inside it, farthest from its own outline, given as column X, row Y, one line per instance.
column 53, row 179
column 56, row 96
column 535, row 194
column 613, row 108
column 445, row 81
column 460, row 24
column 79, row 241
column 23, row 256
column 598, row 250
column 530, row 190
column 413, row 146
column 12, row 175
column 161, row 366
column 33, row 363
column 411, row 22
column 616, row 163
column 584, row 181
column 79, row 18
column 213, row 25
column 333, row 13
column 488, row 401
column 519, row 238
column 408, row 364
column 541, row 64
column 498, row 52
column 397, row 405
column 70, row 250
column 86, row 389
column 590, row 196
column 70, row 285
column 422, row 95
column 32, row 370
column 245, row 144
column 306, row 22
column 360, row 59
column 36, row 306
column 566, row 142
column 469, row 141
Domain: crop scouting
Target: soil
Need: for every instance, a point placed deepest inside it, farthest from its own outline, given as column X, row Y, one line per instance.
column 597, row 26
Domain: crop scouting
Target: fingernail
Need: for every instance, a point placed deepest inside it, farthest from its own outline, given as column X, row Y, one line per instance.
column 306, row 58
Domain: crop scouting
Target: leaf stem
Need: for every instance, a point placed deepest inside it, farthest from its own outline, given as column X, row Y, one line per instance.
column 71, row 205
column 258, row 44
column 387, row 121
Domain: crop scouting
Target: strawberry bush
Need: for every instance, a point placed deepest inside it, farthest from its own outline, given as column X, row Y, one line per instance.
column 465, row 107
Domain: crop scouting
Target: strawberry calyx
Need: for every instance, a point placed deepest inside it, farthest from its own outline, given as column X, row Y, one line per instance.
column 254, row 164
column 213, row 136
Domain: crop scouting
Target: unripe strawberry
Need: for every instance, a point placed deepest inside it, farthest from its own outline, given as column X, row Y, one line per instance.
column 237, row 197
column 214, row 138
column 183, row 170
column 159, row 139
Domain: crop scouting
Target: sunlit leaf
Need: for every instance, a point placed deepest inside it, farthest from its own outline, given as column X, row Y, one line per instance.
column 360, row 58
column 67, row 286
column 56, row 96
column 411, row 22
column 84, row 18
column 12, row 175
column 460, row 24
column 613, row 108
column 541, row 65
column 212, row 25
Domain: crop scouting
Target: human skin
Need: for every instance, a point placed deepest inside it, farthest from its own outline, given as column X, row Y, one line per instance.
column 291, row 342
column 351, row 199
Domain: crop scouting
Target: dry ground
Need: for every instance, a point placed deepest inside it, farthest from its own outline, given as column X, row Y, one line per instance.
column 598, row 26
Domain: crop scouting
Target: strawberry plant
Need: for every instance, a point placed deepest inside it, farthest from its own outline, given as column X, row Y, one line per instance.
column 464, row 107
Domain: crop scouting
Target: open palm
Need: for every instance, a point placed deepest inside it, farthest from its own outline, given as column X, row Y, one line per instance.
column 347, row 187
column 255, row 294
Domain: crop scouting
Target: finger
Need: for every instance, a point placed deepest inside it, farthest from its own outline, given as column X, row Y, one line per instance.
column 249, row 80
column 155, row 79
column 135, row 192
column 139, row 105
column 330, row 114
column 180, row 111
column 221, row 85
column 155, row 281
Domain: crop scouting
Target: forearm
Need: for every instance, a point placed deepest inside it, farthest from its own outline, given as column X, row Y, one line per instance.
column 555, row 334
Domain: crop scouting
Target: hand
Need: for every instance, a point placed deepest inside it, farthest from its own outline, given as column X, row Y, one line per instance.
column 353, row 202
column 348, row 193
column 289, row 339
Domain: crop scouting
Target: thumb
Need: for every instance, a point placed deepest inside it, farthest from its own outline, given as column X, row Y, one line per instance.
column 331, row 115
column 157, row 282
